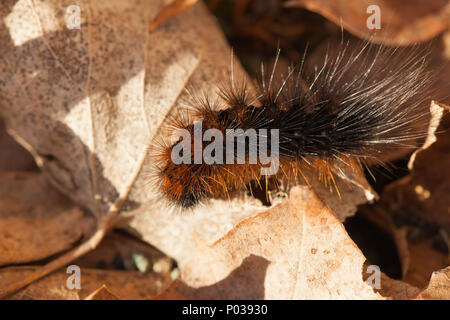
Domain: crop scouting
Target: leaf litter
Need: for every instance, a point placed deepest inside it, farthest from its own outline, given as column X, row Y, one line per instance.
column 95, row 106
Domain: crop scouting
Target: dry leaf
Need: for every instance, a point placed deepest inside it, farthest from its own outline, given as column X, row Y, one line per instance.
column 174, row 8
column 296, row 250
column 127, row 284
column 36, row 221
column 13, row 157
column 102, row 293
column 425, row 192
column 436, row 112
column 353, row 189
column 424, row 261
column 396, row 289
column 439, row 286
column 87, row 102
column 402, row 22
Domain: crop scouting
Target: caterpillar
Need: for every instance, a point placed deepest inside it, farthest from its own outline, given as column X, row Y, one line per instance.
column 360, row 103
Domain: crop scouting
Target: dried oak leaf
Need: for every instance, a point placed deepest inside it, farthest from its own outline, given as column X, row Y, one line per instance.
column 129, row 284
column 296, row 250
column 36, row 221
column 439, row 286
column 13, row 157
column 425, row 193
column 102, row 293
column 171, row 10
column 424, row 261
column 402, row 22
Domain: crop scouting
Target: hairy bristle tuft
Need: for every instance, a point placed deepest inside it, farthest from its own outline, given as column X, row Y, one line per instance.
column 361, row 102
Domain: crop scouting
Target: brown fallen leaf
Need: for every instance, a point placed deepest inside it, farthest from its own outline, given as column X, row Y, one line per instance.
column 174, row 8
column 439, row 286
column 424, row 261
column 102, row 293
column 13, row 157
column 354, row 190
column 402, row 22
column 127, row 284
column 396, row 289
column 36, row 221
column 424, row 194
column 88, row 102
column 436, row 112
column 296, row 250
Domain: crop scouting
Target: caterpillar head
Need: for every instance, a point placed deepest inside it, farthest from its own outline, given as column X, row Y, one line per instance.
column 182, row 184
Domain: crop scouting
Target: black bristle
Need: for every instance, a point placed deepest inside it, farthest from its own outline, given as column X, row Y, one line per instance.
column 362, row 102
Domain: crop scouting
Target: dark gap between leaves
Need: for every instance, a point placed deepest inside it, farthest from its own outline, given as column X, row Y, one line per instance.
column 376, row 244
column 381, row 177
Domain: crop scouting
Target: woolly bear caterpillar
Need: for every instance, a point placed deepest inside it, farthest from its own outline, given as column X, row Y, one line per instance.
column 360, row 103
